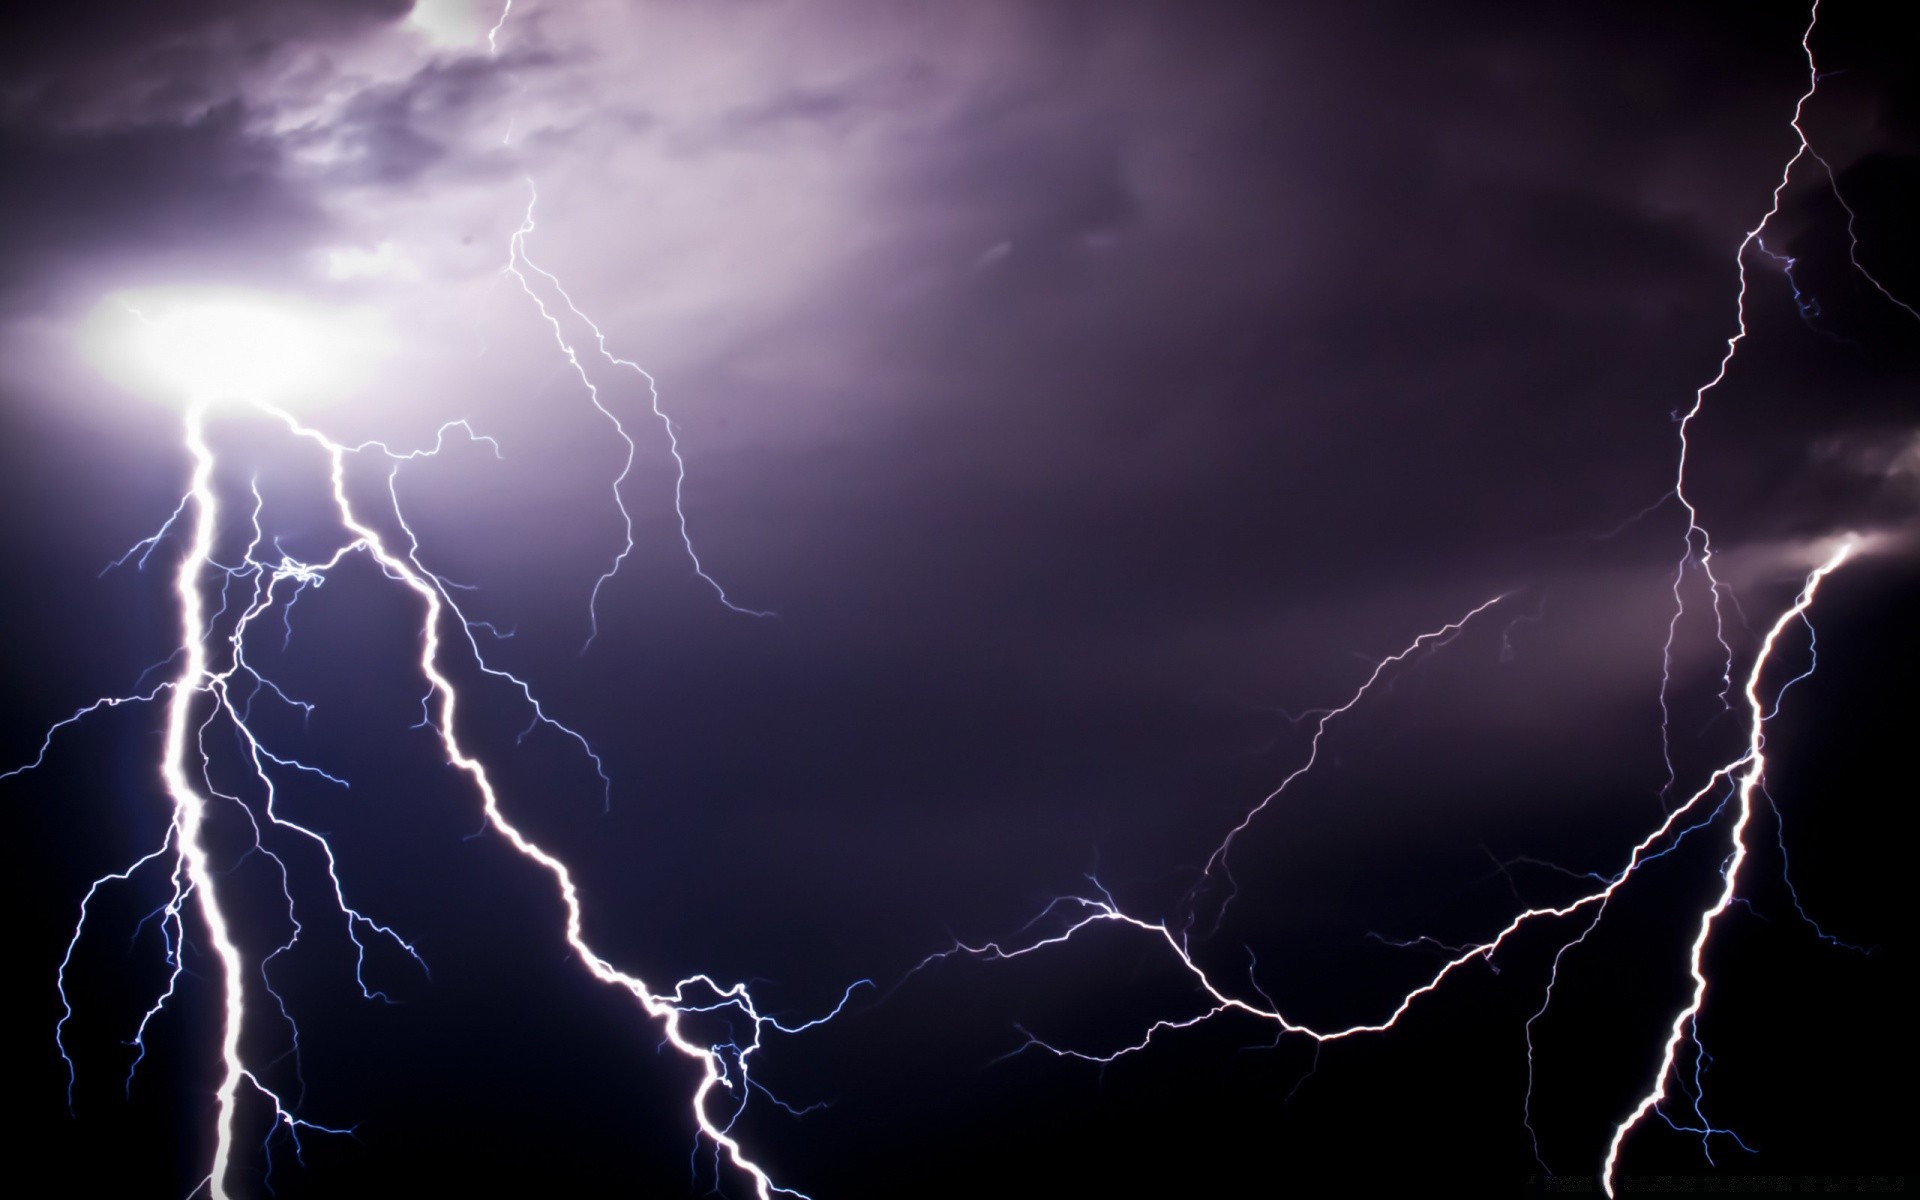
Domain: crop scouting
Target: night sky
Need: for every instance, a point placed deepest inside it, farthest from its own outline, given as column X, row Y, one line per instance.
column 1096, row 391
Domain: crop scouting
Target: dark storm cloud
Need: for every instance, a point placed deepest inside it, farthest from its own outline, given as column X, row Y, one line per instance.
column 198, row 144
column 390, row 135
column 94, row 210
column 127, row 62
column 133, row 149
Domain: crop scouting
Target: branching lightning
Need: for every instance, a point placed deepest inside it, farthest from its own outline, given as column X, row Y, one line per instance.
column 519, row 265
column 214, row 685
column 1729, row 788
column 214, row 688
column 211, row 688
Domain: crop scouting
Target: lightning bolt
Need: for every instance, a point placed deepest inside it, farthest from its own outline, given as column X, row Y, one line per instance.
column 493, row 34
column 200, row 907
column 1069, row 916
column 1748, row 771
column 517, row 260
column 214, row 685
column 1730, row 787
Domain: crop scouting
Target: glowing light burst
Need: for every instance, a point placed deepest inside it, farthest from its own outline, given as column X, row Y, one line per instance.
column 228, row 343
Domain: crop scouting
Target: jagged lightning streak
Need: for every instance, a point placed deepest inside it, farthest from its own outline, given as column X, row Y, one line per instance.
column 493, row 34
column 1696, row 532
column 1751, row 768
column 723, row 1065
column 200, row 889
column 518, row 258
column 190, row 806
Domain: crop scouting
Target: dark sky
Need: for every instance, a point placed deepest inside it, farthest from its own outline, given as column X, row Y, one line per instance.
column 1093, row 389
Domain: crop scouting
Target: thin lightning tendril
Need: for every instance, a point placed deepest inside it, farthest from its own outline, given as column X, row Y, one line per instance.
column 516, row 259
column 1217, row 861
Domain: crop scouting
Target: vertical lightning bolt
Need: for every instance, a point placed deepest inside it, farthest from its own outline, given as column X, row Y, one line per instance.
column 1697, row 545
column 1749, row 770
column 190, row 807
column 214, row 683
column 200, row 887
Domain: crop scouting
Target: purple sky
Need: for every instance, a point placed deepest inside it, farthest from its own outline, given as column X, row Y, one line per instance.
column 1091, row 388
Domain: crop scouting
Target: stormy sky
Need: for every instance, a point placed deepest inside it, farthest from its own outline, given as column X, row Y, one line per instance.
column 1095, row 391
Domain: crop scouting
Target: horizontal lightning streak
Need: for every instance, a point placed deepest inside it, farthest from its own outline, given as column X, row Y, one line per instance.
column 1086, row 912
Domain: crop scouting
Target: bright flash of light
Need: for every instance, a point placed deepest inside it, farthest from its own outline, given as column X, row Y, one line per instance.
column 186, row 344
column 448, row 23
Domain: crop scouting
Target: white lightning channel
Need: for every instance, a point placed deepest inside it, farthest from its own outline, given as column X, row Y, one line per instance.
column 1751, row 768
column 669, row 1007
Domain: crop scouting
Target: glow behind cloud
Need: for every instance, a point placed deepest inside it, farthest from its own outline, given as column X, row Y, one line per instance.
column 182, row 345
